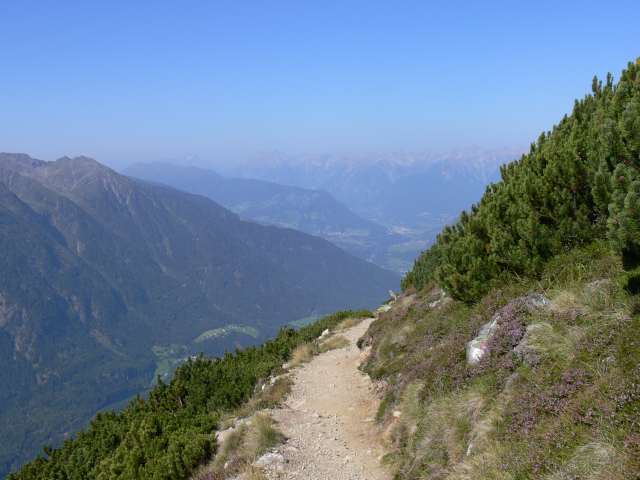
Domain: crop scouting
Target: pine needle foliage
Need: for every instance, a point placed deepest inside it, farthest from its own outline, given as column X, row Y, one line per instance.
column 172, row 432
column 579, row 182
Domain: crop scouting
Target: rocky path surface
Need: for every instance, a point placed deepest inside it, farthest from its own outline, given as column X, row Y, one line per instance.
column 329, row 419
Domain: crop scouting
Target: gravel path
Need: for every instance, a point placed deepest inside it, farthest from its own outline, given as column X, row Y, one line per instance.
column 329, row 419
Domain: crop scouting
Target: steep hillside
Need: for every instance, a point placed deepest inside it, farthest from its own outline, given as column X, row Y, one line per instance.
column 311, row 211
column 538, row 379
column 579, row 182
column 172, row 432
column 511, row 354
column 106, row 282
column 517, row 355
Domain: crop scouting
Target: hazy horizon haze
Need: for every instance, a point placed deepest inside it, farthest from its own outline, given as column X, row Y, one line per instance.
column 124, row 83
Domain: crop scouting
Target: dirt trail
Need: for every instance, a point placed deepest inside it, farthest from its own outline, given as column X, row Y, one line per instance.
column 329, row 419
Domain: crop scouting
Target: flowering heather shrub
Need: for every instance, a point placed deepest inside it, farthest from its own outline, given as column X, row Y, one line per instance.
column 501, row 361
column 571, row 411
column 569, row 407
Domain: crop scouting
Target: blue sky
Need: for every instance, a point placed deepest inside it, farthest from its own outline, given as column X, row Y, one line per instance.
column 138, row 81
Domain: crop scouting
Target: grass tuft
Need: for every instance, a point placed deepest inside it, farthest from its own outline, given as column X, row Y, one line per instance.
column 260, row 436
column 348, row 323
column 301, row 355
column 250, row 439
column 332, row 344
column 251, row 472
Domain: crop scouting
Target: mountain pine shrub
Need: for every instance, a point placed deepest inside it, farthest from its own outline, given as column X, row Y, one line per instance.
column 579, row 182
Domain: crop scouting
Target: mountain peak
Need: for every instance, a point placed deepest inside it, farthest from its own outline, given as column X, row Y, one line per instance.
column 20, row 162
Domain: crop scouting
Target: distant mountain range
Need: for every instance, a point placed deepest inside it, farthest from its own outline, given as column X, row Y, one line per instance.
column 107, row 282
column 397, row 189
column 383, row 207
column 311, row 211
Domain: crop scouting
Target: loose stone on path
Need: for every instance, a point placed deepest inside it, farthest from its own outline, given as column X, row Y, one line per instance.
column 328, row 420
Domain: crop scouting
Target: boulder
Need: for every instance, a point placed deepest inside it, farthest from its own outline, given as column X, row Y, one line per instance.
column 269, row 459
column 477, row 347
column 538, row 300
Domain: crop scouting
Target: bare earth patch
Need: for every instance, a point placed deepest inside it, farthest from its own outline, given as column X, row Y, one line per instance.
column 329, row 419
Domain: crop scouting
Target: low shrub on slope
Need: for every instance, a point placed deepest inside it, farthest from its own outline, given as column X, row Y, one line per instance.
column 580, row 181
column 172, row 432
column 556, row 396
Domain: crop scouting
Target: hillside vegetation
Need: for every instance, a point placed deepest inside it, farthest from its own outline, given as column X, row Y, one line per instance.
column 172, row 432
column 580, row 182
column 106, row 282
column 555, row 391
column 546, row 265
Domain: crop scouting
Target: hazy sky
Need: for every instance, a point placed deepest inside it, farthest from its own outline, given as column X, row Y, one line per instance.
column 134, row 81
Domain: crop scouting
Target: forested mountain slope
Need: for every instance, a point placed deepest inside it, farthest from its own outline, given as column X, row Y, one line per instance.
column 314, row 212
column 106, row 282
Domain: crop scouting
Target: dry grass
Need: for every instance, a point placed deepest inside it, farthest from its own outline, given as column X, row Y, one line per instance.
column 242, row 447
column 227, row 452
column 348, row 323
column 260, row 436
column 332, row 343
column 565, row 300
column 273, row 394
column 595, row 460
column 304, row 353
column 301, row 355
column 251, row 472
column 452, row 434
column 399, row 337
column 546, row 341
column 484, row 465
